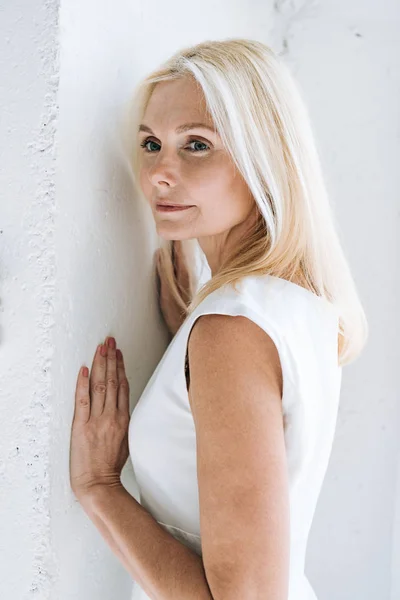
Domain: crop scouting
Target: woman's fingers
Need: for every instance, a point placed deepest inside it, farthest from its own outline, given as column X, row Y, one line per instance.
column 82, row 398
column 123, row 391
column 182, row 271
column 107, row 388
column 98, row 385
column 171, row 308
column 111, row 399
column 178, row 256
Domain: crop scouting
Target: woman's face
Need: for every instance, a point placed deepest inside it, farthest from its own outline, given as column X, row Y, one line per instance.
column 190, row 168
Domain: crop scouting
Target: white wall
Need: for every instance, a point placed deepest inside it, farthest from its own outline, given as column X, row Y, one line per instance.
column 62, row 228
column 28, row 120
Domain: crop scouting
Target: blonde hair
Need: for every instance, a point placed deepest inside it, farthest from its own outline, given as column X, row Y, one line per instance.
column 259, row 113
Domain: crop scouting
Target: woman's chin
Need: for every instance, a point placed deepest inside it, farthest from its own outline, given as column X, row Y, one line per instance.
column 169, row 233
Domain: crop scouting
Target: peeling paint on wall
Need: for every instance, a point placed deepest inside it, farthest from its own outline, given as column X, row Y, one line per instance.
column 30, row 63
column 38, row 223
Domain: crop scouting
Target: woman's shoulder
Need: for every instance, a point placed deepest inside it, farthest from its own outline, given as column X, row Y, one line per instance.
column 272, row 296
column 290, row 313
column 302, row 325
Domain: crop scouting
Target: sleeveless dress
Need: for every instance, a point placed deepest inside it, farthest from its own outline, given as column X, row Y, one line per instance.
column 162, row 436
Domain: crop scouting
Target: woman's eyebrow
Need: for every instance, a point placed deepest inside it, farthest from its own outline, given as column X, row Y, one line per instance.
column 181, row 128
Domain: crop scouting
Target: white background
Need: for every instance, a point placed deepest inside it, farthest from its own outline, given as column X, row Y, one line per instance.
column 76, row 265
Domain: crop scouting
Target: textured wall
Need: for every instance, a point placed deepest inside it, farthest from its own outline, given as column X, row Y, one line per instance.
column 76, row 253
column 28, row 122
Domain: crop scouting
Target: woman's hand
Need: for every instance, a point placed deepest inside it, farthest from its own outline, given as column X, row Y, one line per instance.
column 99, row 437
column 171, row 310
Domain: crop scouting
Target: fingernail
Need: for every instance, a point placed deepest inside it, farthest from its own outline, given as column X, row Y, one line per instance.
column 111, row 342
column 119, row 354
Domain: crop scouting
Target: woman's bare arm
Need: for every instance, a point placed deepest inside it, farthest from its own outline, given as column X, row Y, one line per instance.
column 164, row 567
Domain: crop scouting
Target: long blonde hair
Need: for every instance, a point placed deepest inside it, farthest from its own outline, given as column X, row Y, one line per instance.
column 260, row 115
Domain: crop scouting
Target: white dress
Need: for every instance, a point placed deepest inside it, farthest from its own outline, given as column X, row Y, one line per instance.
column 162, row 436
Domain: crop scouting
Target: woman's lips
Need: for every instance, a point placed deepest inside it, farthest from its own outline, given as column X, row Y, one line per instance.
column 166, row 208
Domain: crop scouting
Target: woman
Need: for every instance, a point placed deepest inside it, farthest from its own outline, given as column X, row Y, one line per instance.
column 231, row 438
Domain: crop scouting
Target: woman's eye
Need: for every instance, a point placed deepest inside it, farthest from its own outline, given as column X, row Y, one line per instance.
column 147, row 141
column 199, row 142
column 144, row 144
